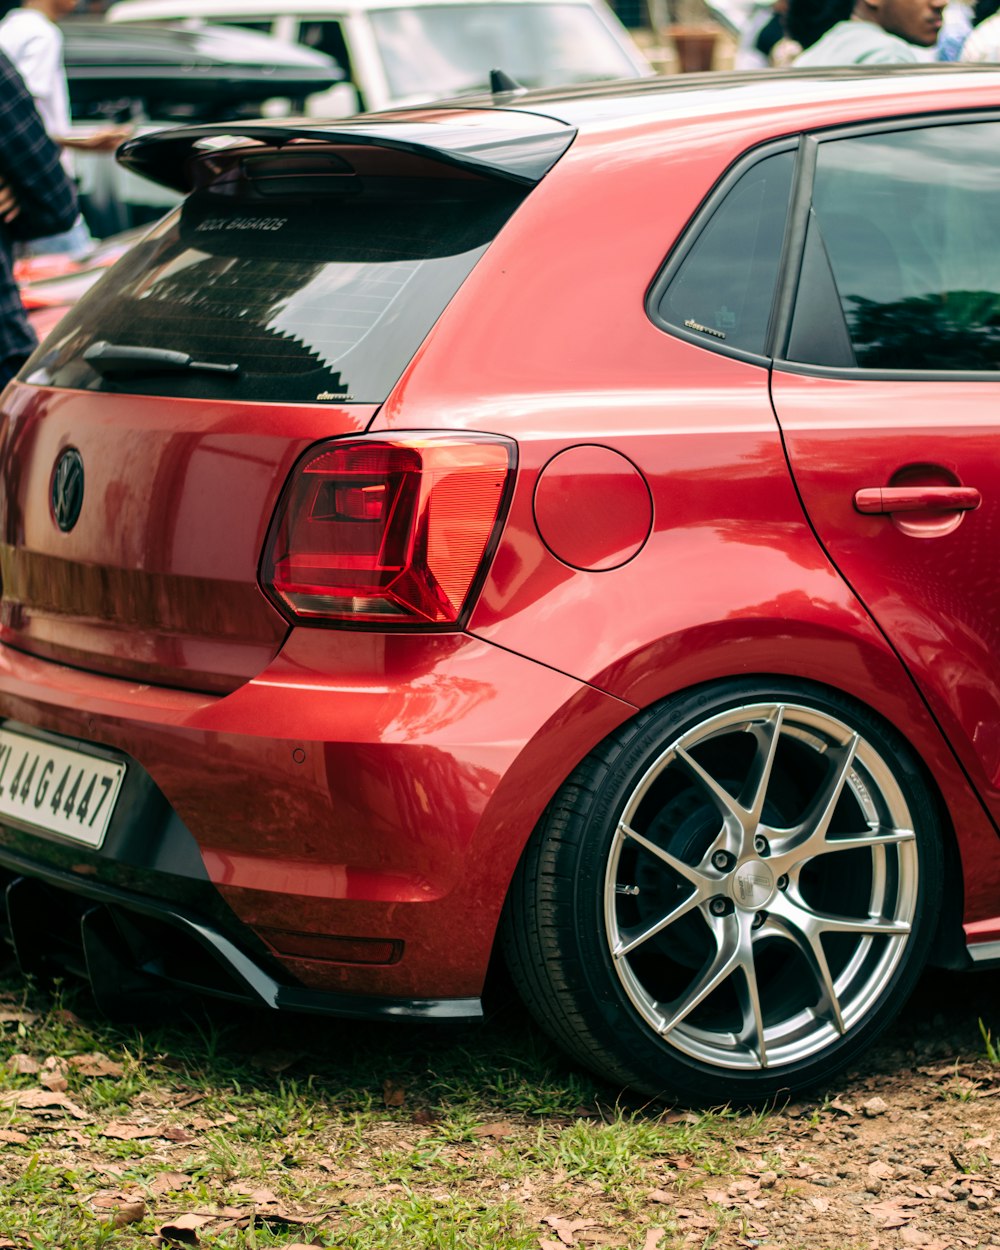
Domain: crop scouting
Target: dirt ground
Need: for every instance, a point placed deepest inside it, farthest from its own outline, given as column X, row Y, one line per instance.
column 902, row 1153
column 905, row 1155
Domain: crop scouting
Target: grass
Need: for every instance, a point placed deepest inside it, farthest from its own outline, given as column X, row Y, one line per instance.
column 230, row 1130
column 992, row 1049
column 264, row 1131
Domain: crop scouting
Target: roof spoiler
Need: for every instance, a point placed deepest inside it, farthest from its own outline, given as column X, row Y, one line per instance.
column 511, row 146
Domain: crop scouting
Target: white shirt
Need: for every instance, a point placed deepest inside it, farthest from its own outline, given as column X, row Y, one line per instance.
column 854, row 43
column 35, row 47
column 984, row 42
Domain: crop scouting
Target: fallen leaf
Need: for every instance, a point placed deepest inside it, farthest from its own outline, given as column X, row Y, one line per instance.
column 915, row 1237
column 659, row 1195
column 566, row 1230
column 122, row 1130
column 18, row 1017
column 889, row 1214
column 23, row 1065
column 545, row 1243
column 96, row 1064
column 653, row 1236
column 54, row 1080
column 499, row 1128
column 393, row 1094
column 42, row 1100
column 12, row 1136
column 184, row 1228
column 844, row 1108
column 130, row 1213
column 874, row 1106
column 167, row 1182
column 176, row 1135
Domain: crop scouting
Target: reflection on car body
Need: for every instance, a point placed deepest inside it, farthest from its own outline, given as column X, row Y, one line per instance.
column 570, row 563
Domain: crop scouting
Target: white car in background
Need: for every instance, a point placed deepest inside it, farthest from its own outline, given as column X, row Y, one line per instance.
column 408, row 53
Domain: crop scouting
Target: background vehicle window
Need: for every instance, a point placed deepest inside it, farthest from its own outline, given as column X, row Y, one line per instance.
column 908, row 221
column 725, row 284
column 439, row 50
column 326, row 37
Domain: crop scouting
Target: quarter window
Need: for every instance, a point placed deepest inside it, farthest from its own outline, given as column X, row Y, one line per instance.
column 723, row 289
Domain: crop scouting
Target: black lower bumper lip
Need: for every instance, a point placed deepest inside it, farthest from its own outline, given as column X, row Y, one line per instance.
column 128, row 945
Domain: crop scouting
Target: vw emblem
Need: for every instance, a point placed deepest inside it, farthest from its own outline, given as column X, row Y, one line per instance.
column 67, row 489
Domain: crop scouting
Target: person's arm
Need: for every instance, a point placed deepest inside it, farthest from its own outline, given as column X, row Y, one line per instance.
column 29, row 164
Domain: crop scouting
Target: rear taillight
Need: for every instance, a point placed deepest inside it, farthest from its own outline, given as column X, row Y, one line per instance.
column 387, row 530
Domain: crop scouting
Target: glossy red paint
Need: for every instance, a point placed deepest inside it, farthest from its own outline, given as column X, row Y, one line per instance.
column 381, row 786
column 926, row 577
column 158, row 581
column 375, row 803
column 592, row 508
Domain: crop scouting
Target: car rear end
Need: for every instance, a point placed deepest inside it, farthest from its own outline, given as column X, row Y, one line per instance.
column 246, row 745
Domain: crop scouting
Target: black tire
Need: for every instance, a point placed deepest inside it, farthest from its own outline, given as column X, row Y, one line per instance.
column 663, row 945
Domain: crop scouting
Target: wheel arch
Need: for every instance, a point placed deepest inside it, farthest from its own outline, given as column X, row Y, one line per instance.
column 949, row 948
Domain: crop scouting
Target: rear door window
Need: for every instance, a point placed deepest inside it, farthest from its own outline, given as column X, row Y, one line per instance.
column 901, row 270
column 303, row 298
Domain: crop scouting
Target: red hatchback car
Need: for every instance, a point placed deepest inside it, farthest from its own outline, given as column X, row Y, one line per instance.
column 558, row 527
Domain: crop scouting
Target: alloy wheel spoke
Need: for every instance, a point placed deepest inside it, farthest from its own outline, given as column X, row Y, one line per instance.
column 748, row 993
column 809, row 942
column 687, row 871
column 767, row 734
column 730, row 809
column 810, row 837
column 716, row 970
column 626, row 947
column 784, row 861
column 809, row 921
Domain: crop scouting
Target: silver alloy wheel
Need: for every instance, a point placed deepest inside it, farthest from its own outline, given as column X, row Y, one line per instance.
column 761, row 886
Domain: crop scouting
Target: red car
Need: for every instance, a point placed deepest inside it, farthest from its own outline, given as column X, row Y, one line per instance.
column 561, row 528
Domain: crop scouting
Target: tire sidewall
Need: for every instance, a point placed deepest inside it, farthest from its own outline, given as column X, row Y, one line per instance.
column 660, row 1067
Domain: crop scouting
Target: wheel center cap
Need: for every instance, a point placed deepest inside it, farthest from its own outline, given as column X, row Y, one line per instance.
column 753, row 885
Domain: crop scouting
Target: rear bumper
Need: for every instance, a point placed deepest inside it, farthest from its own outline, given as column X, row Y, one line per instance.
column 129, row 946
column 337, row 835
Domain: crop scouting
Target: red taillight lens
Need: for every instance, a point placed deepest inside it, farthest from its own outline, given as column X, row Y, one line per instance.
column 390, row 531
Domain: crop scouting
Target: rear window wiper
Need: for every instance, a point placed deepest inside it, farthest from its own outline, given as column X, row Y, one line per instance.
column 106, row 358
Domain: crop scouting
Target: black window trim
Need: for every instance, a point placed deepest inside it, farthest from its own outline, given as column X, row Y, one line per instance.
column 790, row 261
column 690, row 235
column 788, row 280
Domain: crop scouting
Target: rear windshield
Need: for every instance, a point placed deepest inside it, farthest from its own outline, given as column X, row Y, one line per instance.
column 303, row 299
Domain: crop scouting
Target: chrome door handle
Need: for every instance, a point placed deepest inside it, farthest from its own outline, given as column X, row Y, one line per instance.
column 886, row 499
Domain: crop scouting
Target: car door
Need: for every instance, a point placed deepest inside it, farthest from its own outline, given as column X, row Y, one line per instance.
column 888, row 397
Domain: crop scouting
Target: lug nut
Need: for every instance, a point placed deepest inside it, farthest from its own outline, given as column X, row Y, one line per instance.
column 721, row 860
column 782, row 883
column 760, row 845
column 718, row 906
column 758, row 920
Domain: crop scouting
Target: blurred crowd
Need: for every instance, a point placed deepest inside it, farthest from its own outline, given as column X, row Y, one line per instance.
column 813, row 33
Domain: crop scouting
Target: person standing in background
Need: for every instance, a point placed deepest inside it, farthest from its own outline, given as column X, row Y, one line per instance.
column 983, row 43
column 31, row 38
column 863, row 32
column 36, row 198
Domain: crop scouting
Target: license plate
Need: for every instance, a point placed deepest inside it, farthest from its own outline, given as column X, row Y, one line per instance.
column 58, row 789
